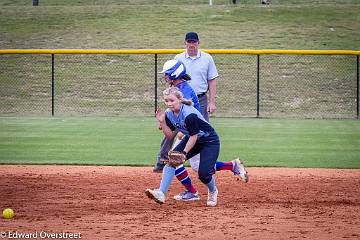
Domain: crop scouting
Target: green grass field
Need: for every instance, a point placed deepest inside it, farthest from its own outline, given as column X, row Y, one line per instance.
column 129, row 141
column 114, row 24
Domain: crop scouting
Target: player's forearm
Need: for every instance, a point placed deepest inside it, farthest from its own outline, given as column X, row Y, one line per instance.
column 190, row 143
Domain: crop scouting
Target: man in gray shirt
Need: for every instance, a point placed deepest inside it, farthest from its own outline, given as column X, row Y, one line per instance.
column 202, row 70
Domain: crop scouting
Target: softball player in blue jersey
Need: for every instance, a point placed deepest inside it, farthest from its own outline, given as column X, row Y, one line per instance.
column 175, row 75
column 199, row 138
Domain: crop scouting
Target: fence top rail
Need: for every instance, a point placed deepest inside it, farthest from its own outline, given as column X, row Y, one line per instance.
column 175, row 51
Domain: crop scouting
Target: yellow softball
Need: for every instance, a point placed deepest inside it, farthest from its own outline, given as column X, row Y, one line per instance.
column 8, row 213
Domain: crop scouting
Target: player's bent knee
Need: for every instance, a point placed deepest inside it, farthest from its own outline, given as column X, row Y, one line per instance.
column 205, row 177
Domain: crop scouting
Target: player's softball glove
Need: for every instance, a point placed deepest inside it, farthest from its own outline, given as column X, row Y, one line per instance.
column 175, row 158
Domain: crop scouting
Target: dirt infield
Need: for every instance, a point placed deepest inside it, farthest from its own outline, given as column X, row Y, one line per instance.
column 109, row 203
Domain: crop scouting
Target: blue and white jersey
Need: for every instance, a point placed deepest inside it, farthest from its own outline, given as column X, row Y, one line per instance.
column 189, row 93
column 189, row 121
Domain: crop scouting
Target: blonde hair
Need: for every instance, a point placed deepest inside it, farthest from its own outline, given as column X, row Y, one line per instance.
column 175, row 91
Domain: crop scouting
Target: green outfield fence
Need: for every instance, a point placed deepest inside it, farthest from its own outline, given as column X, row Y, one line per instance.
column 251, row 83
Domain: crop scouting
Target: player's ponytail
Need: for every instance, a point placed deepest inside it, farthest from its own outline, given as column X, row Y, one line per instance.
column 175, row 91
column 186, row 77
column 187, row 101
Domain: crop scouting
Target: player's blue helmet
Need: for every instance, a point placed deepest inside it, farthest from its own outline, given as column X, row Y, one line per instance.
column 174, row 69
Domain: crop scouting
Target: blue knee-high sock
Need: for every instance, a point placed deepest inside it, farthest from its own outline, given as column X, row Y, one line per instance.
column 166, row 179
column 211, row 185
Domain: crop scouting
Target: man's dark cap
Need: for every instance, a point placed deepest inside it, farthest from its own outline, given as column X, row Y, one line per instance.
column 192, row 36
